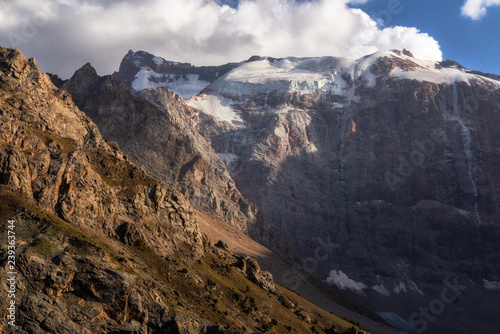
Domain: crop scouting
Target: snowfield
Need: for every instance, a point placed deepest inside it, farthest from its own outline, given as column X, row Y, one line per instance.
column 307, row 75
column 427, row 71
column 338, row 75
column 286, row 75
column 215, row 106
column 186, row 86
column 343, row 282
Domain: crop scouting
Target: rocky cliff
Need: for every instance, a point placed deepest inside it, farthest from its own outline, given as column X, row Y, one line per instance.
column 390, row 158
column 102, row 247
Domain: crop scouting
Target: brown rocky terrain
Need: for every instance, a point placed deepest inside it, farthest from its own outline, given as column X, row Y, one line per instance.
column 392, row 159
column 103, row 247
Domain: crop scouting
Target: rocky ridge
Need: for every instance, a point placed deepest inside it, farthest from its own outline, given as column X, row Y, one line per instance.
column 54, row 155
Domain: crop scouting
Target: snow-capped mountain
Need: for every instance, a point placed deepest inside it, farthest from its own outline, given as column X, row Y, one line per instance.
column 141, row 70
column 330, row 74
column 381, row 171
column 267, row 76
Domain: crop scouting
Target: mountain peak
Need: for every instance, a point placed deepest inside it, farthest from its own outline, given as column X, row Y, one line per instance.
column 87, row 69
column 142, row 70
column 356, row 149
column 83, row 80
column 15, row 64
column 11, row 60
column 262, row 74
column 404, row 52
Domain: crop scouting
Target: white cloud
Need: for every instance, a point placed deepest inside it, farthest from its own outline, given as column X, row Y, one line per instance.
column 476, row 9
column 64, row 34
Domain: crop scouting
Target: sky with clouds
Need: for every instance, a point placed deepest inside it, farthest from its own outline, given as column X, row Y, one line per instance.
column 65, row 34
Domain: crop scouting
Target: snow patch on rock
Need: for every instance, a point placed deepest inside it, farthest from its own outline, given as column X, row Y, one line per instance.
column 431, row 71
column 303, row 75
column 185, row 85
column 431, row 74
column 414, row 287
column 491, row 285
column 381, row 290
column 343, row 282
column 283, row 110
column 158, row 60
column 216, row 106
column 396, row 321
column 401, row 287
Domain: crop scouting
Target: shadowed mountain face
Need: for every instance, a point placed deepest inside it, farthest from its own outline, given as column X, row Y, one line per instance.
column 390, row 161
column 101, row 247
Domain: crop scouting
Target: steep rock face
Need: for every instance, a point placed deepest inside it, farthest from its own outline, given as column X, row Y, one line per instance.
column 101, row 246
column 53, row 154
column 55, row 166
column 156, row 129
column 387, row 163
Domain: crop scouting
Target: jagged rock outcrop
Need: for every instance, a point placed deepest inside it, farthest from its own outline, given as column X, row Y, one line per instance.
column 106, row 298
column 252, row 269
column 53, row 154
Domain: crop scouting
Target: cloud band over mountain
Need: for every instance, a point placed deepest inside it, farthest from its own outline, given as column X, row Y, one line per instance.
column 64, row 34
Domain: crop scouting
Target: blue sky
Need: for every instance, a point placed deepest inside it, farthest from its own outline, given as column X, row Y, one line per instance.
column 65, row 34
column 473, row 43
